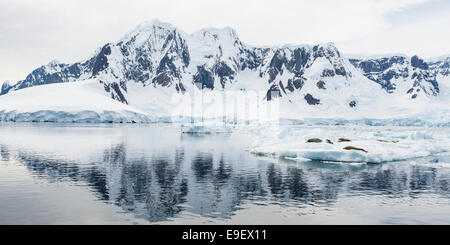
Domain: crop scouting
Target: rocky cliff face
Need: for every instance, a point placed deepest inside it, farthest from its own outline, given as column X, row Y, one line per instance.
column 54, row 72
column 290, row 68
column 159, row 55
column 411, row 75
column 5, row 87
column 440, row 67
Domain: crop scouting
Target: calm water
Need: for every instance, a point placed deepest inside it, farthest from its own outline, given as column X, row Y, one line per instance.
column 97, row 174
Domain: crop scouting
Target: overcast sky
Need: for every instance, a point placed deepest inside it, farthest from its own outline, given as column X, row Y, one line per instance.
column 34, row 32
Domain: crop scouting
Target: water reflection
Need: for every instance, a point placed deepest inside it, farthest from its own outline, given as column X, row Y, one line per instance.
column 4, row 153
column 403, row 179
column 215, row 182
column 202, row 164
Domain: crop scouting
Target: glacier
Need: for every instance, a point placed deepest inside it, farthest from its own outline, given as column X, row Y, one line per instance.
column 81, row 102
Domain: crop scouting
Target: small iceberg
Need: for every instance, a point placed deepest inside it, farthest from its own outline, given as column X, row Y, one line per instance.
column 203, row 129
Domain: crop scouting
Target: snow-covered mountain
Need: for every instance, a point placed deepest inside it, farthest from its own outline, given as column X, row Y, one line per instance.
column 441, row 66
column 156, row 60
column 401, row 74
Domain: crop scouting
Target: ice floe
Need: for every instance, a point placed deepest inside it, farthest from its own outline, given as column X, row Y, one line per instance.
column 359, row 144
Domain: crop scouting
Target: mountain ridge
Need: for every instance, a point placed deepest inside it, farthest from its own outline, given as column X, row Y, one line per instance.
column 156, row 59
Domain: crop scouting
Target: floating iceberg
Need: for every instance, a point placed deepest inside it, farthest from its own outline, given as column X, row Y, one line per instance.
column 205, row 129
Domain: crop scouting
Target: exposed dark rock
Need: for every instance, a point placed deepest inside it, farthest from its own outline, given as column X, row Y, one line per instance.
column 377, row 70
column 101, row 61
column 115, row 91
column 418, row 63
column 180, row 88
column 52, row 73
column 311, row 100
column 298, row 83
column 250, row 59
column 274, row 92
column 282, row 87
column 299, row 59
column 441, row 67
column 166, row 65
column 410, row 91
column 323, row 51
column 340, row 71
column 203, row 78
column 163, row 79
column 224, row 72
column 5, row 88
column 166, row 72
column 385, row 71
column 321, row 84
column 352, row 104
column 378, row 65
column 328, row 73
column 185, row 55
column 290, row 86
column 276, row 64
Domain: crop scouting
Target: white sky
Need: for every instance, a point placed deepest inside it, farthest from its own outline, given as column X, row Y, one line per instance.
column 33, row 32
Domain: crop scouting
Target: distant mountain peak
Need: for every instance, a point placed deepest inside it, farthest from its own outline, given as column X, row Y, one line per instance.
column 6, row 86
column 145, row 25
column 147, row 28
column 223, row 32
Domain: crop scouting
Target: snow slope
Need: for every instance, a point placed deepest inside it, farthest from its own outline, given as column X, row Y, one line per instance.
column 83, row 101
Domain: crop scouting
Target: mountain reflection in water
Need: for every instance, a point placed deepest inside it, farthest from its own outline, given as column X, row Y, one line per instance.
column 164, row 173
